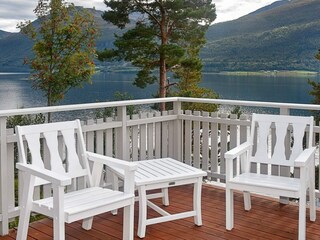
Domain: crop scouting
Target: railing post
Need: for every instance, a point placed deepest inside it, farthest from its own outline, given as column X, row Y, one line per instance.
column 284, row 111
column 177, row 143
column 122, row 134
column 4, row 226
column 285, row 171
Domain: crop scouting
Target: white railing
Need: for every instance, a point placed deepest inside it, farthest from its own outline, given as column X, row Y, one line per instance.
column 197, row 138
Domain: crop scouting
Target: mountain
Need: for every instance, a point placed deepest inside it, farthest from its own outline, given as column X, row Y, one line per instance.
column 4, row 34
column 282, row 36
column 15, row 47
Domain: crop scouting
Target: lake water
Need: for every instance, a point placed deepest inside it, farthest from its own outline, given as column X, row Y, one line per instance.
column 16, row 90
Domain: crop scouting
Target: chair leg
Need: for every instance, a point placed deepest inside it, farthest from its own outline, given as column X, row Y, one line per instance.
column 302, row 217
column 58, row 216
column 28, row 187
column 128, row 222
column 115, row 186
column 229, row 209
column 312, row 196
column 312, row 205
column 87, row 223
column 142, row 212
column 197, row 202
column 247, row 201
column 165, row 196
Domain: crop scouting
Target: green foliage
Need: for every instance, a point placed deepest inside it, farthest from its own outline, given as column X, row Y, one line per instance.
column 64, row 48
column 22, row 120
column 315, row 92
column 190, row 74
column 236, row 110
column 110, row 112
column 158, row 40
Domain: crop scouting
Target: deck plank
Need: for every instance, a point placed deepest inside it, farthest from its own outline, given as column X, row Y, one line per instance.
column 266, row 220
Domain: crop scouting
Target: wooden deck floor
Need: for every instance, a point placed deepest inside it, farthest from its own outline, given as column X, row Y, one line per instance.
column 267, row 220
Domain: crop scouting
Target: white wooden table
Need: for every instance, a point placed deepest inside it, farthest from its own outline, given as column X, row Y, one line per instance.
column 162, row 174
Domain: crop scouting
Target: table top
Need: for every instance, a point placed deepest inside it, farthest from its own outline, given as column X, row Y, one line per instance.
column 164, row 170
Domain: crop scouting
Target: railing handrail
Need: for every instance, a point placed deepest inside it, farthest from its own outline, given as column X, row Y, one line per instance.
column 86, row 106
column 252, row 103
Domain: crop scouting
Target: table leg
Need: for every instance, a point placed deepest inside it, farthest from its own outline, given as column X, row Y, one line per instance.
column 142, row 211
column 197, row 201
column 165, row 197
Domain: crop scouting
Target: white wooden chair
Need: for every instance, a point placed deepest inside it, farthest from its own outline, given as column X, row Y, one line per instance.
column 68, row 168
column 284, row 149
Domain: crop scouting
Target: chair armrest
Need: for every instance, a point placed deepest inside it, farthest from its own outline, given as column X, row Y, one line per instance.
column 305, row 157
column 112, row 162
column 52, row 177
column 235, row 152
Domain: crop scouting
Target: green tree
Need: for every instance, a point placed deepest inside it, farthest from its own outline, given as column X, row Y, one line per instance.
column 110, row 111
column 189, row 73
column 64, row 48
column 315, row 92
column 161, row 31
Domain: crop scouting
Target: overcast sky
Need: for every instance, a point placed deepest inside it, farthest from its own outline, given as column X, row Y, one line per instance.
column 14, row 11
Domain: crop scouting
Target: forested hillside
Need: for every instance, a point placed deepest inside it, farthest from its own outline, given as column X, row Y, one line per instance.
column 282, row 36
column 4, row 34
column 15, row 46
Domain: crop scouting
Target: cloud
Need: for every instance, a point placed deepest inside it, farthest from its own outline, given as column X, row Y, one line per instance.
column 14, row 11
column 233, row 9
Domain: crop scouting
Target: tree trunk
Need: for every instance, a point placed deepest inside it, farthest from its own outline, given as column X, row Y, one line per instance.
column 163, row 78
column 163, row 69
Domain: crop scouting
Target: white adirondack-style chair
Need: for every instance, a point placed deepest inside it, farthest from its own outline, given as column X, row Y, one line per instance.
column 284, row 149
column 68, row 165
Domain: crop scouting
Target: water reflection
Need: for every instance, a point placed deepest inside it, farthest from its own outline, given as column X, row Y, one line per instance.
column 16, row 90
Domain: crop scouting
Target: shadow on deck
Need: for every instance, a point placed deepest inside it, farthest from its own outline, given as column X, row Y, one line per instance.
column 267, row 220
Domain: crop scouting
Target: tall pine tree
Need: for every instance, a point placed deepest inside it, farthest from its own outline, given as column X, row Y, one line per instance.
column 158, row 41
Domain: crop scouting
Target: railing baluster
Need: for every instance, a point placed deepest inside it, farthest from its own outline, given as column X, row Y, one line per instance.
column 196, row 141
column 11, row 175
column 177, row 132
column 121, row 145
column 150, row 138
column 135, row 139
column 164, row 137
column 243, row 138
column 171, row 136
column 205, row 143
column 4, row 227
column 158, row 137
column 143, row 138
column 223, row 143
column 214, row 146
column 233, row 138
column 188, row 139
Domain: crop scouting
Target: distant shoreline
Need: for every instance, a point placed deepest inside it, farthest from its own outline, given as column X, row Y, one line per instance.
column 267, row 73
column 13, row 73
column 230, row 73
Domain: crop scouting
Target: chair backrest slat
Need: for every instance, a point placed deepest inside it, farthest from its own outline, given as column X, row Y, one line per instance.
column 34, row 146
column 289, row 133
column 55, row 159
column 65, row 145
column 299, row 131
column 74, row 165
column 279, row 153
